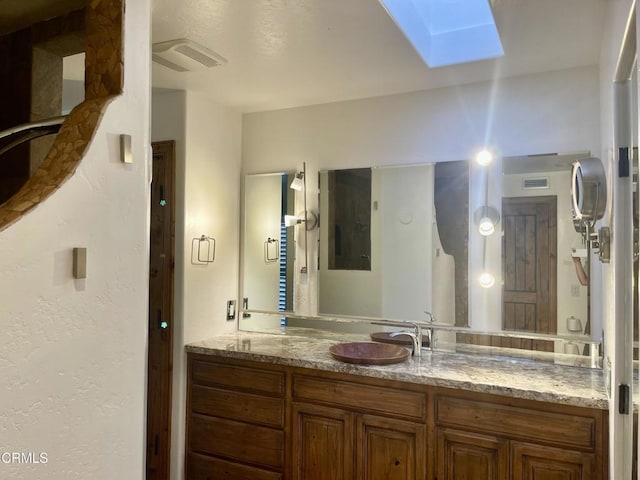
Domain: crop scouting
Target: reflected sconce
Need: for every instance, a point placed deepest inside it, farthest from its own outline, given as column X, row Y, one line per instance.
column 486, row 218
column 298, row 181
column 484, row 157
column 310, row 221
column 486, row 280
column 292, row 220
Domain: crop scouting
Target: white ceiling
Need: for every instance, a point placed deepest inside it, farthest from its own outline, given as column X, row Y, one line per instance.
column 287, row 53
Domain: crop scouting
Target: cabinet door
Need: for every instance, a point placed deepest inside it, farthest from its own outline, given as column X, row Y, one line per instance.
column 537, row 462
column 322, row 443
column 388, row 449
column 462, row 456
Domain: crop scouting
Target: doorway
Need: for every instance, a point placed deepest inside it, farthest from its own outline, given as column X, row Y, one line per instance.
column 161, row 279
column 529, row 262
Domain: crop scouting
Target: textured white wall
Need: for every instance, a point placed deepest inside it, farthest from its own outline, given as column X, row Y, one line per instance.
column 207, row 139
column 547, row 112
column 73, row 352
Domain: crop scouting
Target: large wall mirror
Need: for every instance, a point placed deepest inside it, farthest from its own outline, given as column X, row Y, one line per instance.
column 395, row 243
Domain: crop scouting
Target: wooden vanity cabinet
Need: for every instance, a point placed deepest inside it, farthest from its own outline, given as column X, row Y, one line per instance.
column 341, row 429
column 235, row 421
column 251, row 420
column 491, row 437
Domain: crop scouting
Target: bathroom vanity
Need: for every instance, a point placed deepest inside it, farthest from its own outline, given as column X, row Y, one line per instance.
column 267, row 407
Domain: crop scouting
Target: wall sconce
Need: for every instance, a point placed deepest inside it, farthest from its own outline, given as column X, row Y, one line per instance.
column 310, row 221
column 486, row 218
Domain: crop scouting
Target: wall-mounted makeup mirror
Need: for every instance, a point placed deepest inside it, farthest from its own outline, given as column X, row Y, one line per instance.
column 588, row 190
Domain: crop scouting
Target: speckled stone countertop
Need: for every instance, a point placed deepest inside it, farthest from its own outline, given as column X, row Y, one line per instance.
column 520, row 378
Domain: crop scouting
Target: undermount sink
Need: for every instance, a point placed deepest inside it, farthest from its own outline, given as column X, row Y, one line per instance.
column 369, row 353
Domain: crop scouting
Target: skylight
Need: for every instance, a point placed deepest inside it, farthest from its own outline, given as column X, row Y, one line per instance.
column 447, row 32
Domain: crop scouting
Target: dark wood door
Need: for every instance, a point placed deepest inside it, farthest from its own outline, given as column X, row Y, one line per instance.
column 537, row 462
column 529, row 261
column 161, row 269
column 389, row 449
column 322, row 443
column 464, row 456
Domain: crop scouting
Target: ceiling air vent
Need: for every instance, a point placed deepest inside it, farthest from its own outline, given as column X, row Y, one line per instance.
column 535, row 183
column 185, row 56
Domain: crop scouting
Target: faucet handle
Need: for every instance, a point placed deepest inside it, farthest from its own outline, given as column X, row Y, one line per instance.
column 415, row 341
column 432, row 317
column 416, row 338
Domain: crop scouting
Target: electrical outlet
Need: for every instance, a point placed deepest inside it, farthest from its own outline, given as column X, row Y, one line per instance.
column 231, row 309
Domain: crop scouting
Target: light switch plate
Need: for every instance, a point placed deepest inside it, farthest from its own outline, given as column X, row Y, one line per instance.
column 125, row 148
column 79, row 263
column 231, row 309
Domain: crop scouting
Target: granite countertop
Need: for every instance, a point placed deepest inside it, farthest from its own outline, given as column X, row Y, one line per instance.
column 519, row 378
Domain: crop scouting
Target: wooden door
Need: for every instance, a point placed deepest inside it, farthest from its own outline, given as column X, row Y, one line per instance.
column 322, row 443
column 529, row 262
column 463, row 455
column 537, row 462
column 161, row 268
column 388, row 449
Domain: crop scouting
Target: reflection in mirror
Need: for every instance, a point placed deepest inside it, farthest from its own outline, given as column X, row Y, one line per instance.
column 541, row 261
column 349, row 219
column 544, row 258
column 267, row 243
column 72, row 81
column 417, row 220
column 403, row 269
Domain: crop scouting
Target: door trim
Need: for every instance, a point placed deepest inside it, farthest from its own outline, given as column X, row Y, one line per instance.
column 161, row 305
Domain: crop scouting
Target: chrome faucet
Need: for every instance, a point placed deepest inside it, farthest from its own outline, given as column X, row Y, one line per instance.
column 416, row 337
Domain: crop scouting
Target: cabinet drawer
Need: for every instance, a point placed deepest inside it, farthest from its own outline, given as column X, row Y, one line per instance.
column 361, row 397
column 201, row 467
column 253, row 444
column 514, row 422
column 245, row 407
column 209, row 373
